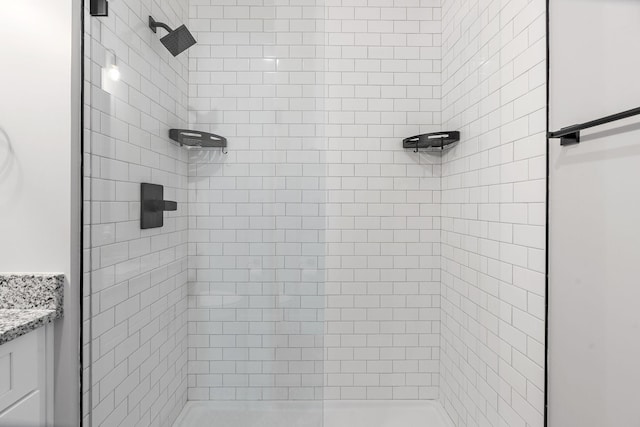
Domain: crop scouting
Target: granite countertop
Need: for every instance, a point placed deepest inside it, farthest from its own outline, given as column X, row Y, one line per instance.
column 28, row 301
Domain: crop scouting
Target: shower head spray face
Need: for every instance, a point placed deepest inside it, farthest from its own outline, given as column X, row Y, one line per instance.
column 177, row 41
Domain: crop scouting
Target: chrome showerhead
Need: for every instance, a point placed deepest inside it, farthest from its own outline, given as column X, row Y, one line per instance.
column 177, row 41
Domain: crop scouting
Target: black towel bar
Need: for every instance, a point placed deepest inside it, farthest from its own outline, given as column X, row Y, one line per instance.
column 571, row 134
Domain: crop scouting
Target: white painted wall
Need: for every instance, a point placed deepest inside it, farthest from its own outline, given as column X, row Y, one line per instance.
column 594, row 210
column 39, row 167
column 35, row 191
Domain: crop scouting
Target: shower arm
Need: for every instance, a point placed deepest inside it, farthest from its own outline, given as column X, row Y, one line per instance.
column 153, row 24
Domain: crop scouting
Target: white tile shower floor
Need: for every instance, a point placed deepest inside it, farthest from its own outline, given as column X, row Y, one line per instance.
column 355, row 413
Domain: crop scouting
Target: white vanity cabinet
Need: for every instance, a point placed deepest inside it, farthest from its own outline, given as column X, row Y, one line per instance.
column 26, row 380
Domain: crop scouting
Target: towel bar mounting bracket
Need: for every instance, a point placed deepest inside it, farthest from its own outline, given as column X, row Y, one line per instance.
column 570, row 138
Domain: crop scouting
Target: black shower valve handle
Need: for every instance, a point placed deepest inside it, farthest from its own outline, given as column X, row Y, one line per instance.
column 169, row 205
column 160, row 205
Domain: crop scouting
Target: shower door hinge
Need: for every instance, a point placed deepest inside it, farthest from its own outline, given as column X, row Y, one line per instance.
column 99, row 8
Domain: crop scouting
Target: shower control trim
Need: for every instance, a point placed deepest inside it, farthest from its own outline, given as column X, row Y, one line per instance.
column 153, row 205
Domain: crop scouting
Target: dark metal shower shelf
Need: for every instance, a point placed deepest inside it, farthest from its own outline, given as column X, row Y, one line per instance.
column 193, row 138
column 435, row 141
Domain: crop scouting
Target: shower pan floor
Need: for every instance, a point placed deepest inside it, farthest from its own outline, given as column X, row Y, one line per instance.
column 336, row 413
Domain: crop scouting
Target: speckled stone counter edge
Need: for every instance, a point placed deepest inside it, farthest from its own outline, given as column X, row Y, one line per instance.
column 15, row 323
column 28, row 302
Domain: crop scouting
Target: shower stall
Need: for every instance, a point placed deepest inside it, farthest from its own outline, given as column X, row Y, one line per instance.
column 312, row 271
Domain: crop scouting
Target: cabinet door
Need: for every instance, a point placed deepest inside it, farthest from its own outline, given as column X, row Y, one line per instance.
column 20, row 368
column 25, row 413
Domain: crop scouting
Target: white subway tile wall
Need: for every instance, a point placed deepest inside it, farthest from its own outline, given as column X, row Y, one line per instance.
column 275, row 80
column 257, row 214
column 135, row 293
column 493, row 213
column 383, row 259
column 318, row 259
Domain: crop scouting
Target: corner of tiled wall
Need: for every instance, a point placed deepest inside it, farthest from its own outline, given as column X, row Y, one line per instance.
column 493, row 213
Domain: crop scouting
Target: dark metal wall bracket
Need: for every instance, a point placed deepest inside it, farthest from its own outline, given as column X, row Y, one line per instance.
column 571, row 134
column 99, row 8
column 435, row 141
column 569, row 138
column 153, row 24
column 153, row 205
